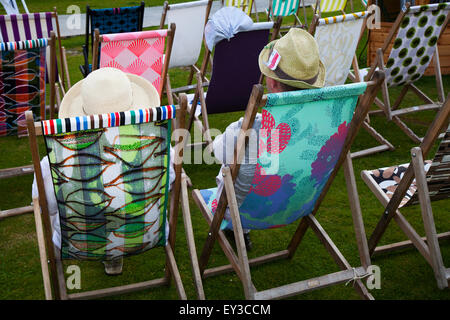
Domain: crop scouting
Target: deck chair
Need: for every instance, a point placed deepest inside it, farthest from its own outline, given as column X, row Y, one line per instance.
column 244, row 5
column 22, row 65
column 29, row 26
column 285, row 8
column 338, row 38
column 290, row 187
column 110, row 20
column 414, row 35
column 113, row 198
column 11, row 7
column 328, row 6
column 235, row 70
column 417, row 182
column 143, row 53
column 190, row 19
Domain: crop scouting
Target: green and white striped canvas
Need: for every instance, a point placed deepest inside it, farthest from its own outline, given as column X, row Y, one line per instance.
column 284, row 8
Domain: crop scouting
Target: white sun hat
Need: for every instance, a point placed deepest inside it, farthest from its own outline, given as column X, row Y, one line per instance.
column 108, row 90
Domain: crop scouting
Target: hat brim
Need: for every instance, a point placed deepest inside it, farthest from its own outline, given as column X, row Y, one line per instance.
column 264, row 56
column 144, row 96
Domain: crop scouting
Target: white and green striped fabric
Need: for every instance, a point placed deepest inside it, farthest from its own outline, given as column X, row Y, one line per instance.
column 332, row 5
column 284, row 8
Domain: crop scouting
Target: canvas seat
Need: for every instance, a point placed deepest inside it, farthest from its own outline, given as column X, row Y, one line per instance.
column 284, row 8
column 190, row 19
column 23, row 89
column 244, row 5
column 110, row 20
column 328, row 6
column 417, row 182
column 111, row 211
column 414, row 36
column 292, row 189
column 28, row 26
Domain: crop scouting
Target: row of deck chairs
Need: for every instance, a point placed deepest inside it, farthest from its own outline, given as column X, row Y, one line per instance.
column 259, row 210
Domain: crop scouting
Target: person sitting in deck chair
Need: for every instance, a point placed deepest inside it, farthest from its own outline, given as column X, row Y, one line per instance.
column 105, row 90
column 289, row 63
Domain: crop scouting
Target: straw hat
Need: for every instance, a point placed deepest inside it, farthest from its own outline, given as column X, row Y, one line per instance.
column 293, row 60
column 108, row 90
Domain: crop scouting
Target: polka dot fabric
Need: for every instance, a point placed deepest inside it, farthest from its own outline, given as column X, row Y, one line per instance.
column 415, row 44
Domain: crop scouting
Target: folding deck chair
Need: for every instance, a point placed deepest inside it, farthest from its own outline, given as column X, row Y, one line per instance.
column 338, row 38
column 414, row 35
column 29, row 26
column 417, row 182
column 291, row 180
column 244, row 5
column 112, row 197
column 111, row 20
column 190, row 19
column 285, row 8
column 11, row 7
column 235, row 70
column 22, row 79
column 328, row 6
column 143, row 53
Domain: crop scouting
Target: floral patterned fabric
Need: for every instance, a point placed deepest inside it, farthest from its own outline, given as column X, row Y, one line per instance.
column 301, row 138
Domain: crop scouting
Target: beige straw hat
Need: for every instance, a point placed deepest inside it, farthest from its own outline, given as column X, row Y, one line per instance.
column 108, row 90
column 293, row 60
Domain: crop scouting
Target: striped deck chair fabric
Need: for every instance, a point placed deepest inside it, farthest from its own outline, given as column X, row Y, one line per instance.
column 337, row 39
column 139, row 53
column 110, row 175
column 332, row 5
column 300, row 141
column 245, row 5
column 415, row 43
column 22, row 85
column 284, row 8
column 190, row 21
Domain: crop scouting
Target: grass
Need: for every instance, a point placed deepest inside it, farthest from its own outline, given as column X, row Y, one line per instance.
column 404, row 275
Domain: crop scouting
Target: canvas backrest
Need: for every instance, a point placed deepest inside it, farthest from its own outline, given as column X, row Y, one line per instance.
column 415, row 43
column 235, row 69
column 245, row 5
column 110, row 176
column 332, row 5
column 190, row 19
column 302, row 137
column 284, row 8
column 337, row 39
column 22, row 85
column 140, row 53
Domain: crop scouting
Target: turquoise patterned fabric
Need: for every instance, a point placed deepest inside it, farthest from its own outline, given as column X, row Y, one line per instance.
column 301, row 139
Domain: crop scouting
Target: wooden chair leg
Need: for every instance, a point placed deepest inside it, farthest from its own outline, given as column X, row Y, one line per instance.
column 174, row 272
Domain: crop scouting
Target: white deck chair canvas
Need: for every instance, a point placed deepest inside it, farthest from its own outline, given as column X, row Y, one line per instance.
column 337, row 38
column 190, row 19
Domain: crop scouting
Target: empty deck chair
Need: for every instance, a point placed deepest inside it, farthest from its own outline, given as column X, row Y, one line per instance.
column 420, row 182
column 328, row 6
column 110, row 20
column 287, row 186
column 22, row 78
column 190, row 19
column 285, row 8
column 244, row 5
column 414, row 35
column 111, row 211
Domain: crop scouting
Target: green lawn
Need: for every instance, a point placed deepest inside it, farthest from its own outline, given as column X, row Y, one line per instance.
column 404, row 275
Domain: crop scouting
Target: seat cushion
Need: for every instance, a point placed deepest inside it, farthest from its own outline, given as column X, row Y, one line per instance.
column 388, row 179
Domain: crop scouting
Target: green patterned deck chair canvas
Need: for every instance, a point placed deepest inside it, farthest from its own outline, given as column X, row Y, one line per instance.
column 22, row 88
column 110, row 177
column 417, row 31
column 285, row 8
column 304, row 138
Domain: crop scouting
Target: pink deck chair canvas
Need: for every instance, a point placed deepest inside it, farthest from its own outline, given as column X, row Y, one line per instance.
column 142, row 53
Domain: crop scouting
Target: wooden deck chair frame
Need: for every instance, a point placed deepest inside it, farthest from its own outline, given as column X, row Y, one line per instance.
column 427, row 246
column 193, row 68
column 199, row 95
column 297, row 21
column 52, row 269
column 63, row 78
column 240, row 263
column 318, row 10
column 29, row 169
column 89, row 35
column 393, row 112
column 384, row 144
column 165, row 85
